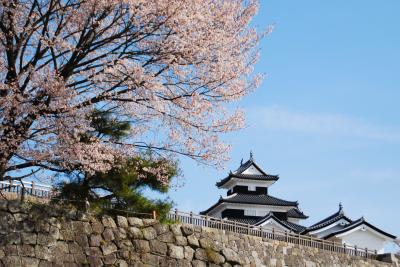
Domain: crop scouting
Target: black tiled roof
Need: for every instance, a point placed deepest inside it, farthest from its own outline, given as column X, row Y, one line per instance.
column 246, row 165
column 249, row 220
column 329, row 220
column 239, row 174
column 252, row 199
column 261, row 199
column 297, row 228
column 296, row 213
column 356, row 223
column 266, row 177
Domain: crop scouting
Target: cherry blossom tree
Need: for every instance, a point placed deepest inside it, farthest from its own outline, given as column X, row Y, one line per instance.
column 169, row 67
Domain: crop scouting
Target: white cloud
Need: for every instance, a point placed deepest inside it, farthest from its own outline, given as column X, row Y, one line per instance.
column 283, row 119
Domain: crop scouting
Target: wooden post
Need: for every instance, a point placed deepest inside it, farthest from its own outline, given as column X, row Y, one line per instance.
column 344, row 246
column 355, row 250
column 234, row 225
column 11, row 185
column 206, row 220
column 286, row 236
column 323, row 244
column 176, row 214
column 366, row 253
column 333, row 246
column 154, row 215
column 191, row 217
column 261, row 231
column 273, row 233
column 248, row 228
column 220, row 223
column 33, row 188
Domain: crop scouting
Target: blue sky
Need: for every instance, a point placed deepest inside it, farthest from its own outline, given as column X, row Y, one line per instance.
column 326, row 118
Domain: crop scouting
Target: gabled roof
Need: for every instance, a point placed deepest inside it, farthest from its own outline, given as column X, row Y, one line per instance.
column 329, row 220
column 288, row 225
column 296, row 213
column 261, row 199
column 357, row 223
column 243, row 167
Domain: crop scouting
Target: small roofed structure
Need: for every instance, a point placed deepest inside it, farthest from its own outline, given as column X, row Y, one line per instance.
column 342, row 229
column 248, row 200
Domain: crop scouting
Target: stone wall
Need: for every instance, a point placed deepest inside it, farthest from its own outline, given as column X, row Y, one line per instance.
column 37, row 235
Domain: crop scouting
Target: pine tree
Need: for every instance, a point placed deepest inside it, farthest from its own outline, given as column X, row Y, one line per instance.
column 121, row 188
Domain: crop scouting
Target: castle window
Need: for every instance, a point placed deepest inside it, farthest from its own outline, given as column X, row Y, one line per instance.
column 252, row 188
column 250, row 212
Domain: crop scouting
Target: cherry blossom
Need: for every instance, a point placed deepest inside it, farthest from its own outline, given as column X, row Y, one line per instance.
column 170, row 67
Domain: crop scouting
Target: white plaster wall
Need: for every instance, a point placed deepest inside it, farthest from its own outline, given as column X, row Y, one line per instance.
column 251, row 170
column 260, row 210
column 329, row 229
column 271, row 224
column 294, row 220
column 257, row 183
column 363, row 239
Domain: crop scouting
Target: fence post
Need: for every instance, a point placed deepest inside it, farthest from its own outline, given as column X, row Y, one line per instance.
column 261, row 235
column 344, row 246
column 176, row 214
column 33, row 189
column 286, row 236
column 220, row 223
column 248, row 228
column 323, row 244
column 366, row 252
column 273, row 233
column 206, row 221
column 298, row 239
column 355, row 250
column 11, row 185
column 333, row 246
column 191, row 217
column 154, row 214
column 235, row 227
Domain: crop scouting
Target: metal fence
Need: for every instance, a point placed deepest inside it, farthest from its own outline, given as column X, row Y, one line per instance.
column 27, row 188
column 273, row 234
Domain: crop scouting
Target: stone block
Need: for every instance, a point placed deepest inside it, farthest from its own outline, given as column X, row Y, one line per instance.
column 135, row 233
column 14, row 261
column 121, row 263
column 175, row 252
column 231, row 256
column 26, row 250
column 108, row 234
column 189, row 253
column 149, row 222
column 108, row 221
column 158, row 247
column 110, row 259
column 167, row 237
column 136, row 222
column 176, row 229
column 187, row 229
column 180, row 241
column 95, row 262
column 93, row 251
column 150, row 259
column 193, row 241
column 199, row 263
column 122, row 221
column 201, row 254
column 149, row 233
column 141, row 246
column 14, row 206
column 109, row 248
column 97, row 227
column 95, row 240
column 161, row 228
